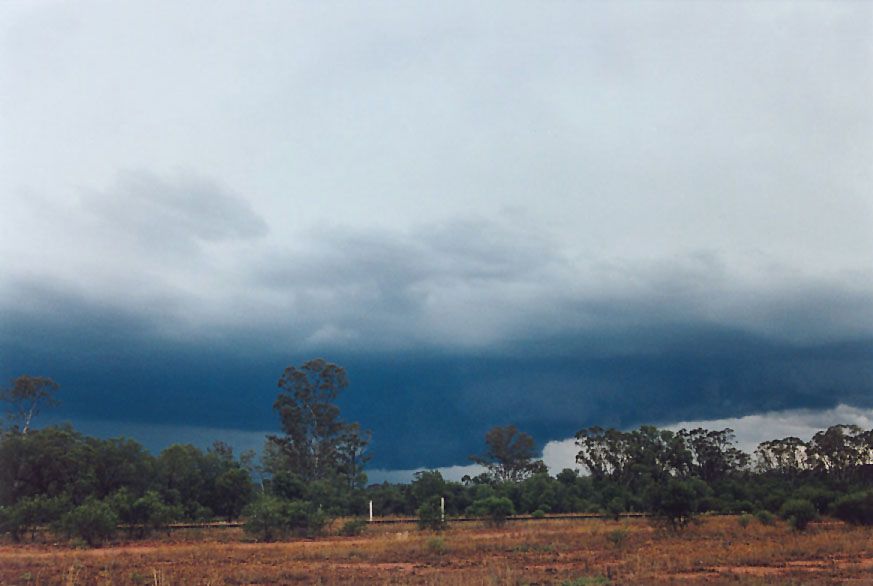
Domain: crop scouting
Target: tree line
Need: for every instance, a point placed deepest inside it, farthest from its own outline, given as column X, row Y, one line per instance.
column 314, row 470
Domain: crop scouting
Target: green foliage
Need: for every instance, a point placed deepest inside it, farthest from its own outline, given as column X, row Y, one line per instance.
column 265, row 518
column 587, row 581
column 430, row 515
column 304, row 519
column 785, row 457
column 541, row 491
column 427, row 485
column 353, row 527
column 144, row 514
column 333, row 496
column 117, row 463
column 390, row 499
column 510, row 455
column 855, row 508
column 798, row 513
column 316, row 443
column 615, row 507
column 233, row 491
column 765, row 517
column 29, row 513
column 494, row 509
column 93, row 521
column 677, row 501
column 48, row 472
column 538, row 514
column 840, row 450
column 270, row 518
column 436, row 545
column 53, row 461
column 658, row 454
column 288, row 485
column 617, row 537
column 183, row 475
column 819, row 496
column 744, row 520
column 26, row 397
column 202, row 484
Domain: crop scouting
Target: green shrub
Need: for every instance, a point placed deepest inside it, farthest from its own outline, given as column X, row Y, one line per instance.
column 676, row 502
column 821, row 498
column 353, row 527
column 29, row 513
column 587, row 581
column 304, row 519
column 855, row 508
column 798, row 513
column 265, row 518
column 615, row 507
column 744, row 520
column 144, row 514
column 152, row 514
column 538, row 514
column 617, row 537
column 436, row 545
column 270, row 518
column 430, row 515
column 94, row 522
column 495, row 509
column 765, row 517
column 742, row 506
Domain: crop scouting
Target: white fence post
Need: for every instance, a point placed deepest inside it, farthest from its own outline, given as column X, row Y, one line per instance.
column 371, row 511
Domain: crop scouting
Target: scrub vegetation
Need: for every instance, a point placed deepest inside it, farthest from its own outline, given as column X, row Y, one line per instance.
column 701, row 495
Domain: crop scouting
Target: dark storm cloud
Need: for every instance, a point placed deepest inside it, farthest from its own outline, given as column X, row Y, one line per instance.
column 446, row 329
column 652, row 356
column 396, row 288
column 500, row 284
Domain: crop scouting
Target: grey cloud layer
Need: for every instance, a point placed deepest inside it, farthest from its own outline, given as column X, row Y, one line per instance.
column 181, row 211
column 184, row 252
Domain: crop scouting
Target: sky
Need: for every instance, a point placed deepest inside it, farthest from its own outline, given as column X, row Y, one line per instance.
column 550, row 214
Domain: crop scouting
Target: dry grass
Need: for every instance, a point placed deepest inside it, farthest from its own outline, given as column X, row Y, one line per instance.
column 718, row 550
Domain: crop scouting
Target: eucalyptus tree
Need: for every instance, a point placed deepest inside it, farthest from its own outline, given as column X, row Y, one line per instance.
column 26, row 397
column 510, row 455
column 317, row 444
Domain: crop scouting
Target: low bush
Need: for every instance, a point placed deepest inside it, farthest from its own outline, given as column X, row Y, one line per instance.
column 798, row 513
column 29, row 513
column 765, row 517
column 353, row 527
column 494, row 509
column 93, row 521
column 677, row 502
column 617, row 537
column 615, row 507
column 855, row 508
column 820, row 498
column 430, row 515
column 144, row 514
column 436, row 545
column 265, row 518
column 270, row 518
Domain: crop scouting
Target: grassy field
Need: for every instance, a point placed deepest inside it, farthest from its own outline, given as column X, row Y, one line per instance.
column 574, row 552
